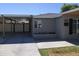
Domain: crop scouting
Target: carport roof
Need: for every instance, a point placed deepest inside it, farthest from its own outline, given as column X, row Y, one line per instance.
column 14, row 15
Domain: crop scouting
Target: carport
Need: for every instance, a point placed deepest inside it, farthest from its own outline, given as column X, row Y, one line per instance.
column 15, row 24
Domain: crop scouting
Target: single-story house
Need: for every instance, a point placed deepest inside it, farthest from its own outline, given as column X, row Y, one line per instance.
column 64, row 25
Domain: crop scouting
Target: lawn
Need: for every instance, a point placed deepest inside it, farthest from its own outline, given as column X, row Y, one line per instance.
column 62, row 51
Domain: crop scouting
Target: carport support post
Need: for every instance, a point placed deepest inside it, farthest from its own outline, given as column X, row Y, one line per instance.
column 11, row 25
column 3, row 27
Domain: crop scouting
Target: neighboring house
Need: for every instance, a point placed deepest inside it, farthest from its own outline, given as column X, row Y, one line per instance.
column 51, row 25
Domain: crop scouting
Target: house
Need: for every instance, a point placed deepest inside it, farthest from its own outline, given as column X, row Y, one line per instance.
column 51, row 25
column 46, row 25
column 70, row 23
column 64, row 25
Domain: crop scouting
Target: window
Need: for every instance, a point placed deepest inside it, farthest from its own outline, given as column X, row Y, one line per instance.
column 35, row 24
column 74, row 28
column 39, row 24
column 74, row 21
column 66, row 22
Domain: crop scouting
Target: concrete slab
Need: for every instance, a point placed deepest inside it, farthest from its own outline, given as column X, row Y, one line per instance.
column 42, row 45
column 26, row 49
column 18, row 44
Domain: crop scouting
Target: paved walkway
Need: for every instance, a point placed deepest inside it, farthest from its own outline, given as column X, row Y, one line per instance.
column 28, row 49
column 53, row 44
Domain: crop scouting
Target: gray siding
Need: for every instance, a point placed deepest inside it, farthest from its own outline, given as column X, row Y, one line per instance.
column 60, row 29
column 48, row 25
column 66, row 28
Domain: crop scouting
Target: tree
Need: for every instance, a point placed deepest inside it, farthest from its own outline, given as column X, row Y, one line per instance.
column 67, row 7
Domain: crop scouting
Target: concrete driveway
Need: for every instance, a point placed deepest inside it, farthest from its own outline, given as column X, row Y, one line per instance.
column 18, row 44
column 26, row 49
column 53, row 44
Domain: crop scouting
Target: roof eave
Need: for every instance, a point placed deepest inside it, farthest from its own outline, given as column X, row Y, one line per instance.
column 73, row 10
column 47, row 17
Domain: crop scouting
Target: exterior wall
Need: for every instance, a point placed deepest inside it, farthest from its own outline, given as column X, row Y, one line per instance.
column 56, row 25
column 66, row 28
column 60, row 29
column 48, row 25
column 44, row 36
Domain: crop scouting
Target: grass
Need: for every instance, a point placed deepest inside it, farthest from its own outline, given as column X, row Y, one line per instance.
column 62, row 51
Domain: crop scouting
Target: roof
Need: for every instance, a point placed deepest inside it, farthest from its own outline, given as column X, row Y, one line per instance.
column 48, row 15
column 14, row 15
column 70, row 11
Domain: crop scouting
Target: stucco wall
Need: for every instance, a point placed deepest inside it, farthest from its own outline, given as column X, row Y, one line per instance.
column 67, row 35
column 60, row 29
column 48, row 25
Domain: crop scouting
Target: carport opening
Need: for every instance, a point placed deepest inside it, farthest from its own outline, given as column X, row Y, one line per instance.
column 15, row 25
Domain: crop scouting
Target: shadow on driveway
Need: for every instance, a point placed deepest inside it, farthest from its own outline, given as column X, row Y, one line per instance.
column 17, row 38
column 74, row 41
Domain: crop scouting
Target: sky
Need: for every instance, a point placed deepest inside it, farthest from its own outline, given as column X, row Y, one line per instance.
column 30, row 8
